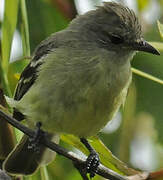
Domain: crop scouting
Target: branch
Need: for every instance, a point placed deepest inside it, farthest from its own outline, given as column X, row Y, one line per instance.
column 102, row 170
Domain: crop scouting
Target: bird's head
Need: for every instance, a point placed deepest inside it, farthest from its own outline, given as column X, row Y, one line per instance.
column 113, row 26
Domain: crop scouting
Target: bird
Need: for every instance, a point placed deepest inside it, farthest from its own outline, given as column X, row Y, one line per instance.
column 75, row 82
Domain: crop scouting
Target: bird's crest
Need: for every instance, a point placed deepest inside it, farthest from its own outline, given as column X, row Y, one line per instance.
column 125, row 15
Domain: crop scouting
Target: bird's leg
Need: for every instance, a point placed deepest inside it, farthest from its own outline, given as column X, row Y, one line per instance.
column 93, row 159
column 34, row 143
column 81, row 170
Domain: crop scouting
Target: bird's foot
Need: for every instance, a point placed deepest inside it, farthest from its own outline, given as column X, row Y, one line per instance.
column 93, row 159
column 92, row 163
column 34, row 142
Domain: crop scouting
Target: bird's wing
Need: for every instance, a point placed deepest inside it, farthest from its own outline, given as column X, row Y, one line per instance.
column 29, row 75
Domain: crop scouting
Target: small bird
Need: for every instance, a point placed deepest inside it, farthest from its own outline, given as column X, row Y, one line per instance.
column 76, row 81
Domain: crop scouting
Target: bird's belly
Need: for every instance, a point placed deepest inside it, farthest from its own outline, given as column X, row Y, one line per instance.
column 85, row 116
column 78, row 108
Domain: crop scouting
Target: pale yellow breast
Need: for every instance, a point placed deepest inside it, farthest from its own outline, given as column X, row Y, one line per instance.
column 80, row 101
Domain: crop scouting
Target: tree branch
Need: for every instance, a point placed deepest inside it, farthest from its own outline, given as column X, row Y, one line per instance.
column 102, row 170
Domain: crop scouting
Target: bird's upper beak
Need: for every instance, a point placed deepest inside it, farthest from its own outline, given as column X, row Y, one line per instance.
column 145, row 46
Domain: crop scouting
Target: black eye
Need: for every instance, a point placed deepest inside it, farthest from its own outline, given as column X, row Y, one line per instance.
column 116, row 39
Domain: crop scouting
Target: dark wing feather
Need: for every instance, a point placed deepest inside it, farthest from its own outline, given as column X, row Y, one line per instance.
column 29, row 75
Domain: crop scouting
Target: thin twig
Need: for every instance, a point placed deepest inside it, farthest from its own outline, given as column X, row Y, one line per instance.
column 102, row 170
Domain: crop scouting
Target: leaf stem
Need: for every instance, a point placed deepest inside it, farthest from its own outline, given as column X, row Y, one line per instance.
column 146, row 75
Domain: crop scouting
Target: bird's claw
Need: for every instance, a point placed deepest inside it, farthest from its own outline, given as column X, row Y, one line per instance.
column 34, row 142
column 92, row 164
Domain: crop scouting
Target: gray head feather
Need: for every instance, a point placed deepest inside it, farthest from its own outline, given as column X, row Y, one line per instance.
column 112, row 20
column 113, row 27
column 125, row 16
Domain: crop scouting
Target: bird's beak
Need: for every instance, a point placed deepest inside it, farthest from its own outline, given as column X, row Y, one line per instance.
column 146, row 47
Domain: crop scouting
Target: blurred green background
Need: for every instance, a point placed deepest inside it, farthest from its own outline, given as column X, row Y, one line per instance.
column 135, row 136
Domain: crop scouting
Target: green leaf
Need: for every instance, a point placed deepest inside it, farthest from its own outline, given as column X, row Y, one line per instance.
column 4, row 80
column 18, row 65
column 14, row 71
column 8, row 28
column 142, row 4
column 160, row 28
column 24, row 29
column 47, row 20
column 157, row 45
column 106, row 157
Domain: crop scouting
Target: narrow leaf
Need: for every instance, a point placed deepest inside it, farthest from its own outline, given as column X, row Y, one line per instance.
column 24, row 29
column 107, row 158
column 14, row 71
column 146, row 75
column 8, row 28
column 4, row 81
column 160, row 28
column 157, row 45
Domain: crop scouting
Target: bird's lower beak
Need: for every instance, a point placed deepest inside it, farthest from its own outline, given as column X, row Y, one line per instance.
column 146, row 47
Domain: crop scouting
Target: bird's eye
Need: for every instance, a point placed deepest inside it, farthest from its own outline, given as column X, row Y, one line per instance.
column 116, row 39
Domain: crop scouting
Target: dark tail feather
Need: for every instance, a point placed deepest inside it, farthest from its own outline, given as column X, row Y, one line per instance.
column 25, row 161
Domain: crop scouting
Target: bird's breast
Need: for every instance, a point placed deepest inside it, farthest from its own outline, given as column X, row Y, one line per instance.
column 79, row 102
column 88, row 103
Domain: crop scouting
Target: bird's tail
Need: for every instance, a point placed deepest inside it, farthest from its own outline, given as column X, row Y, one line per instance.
column 24, row 160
